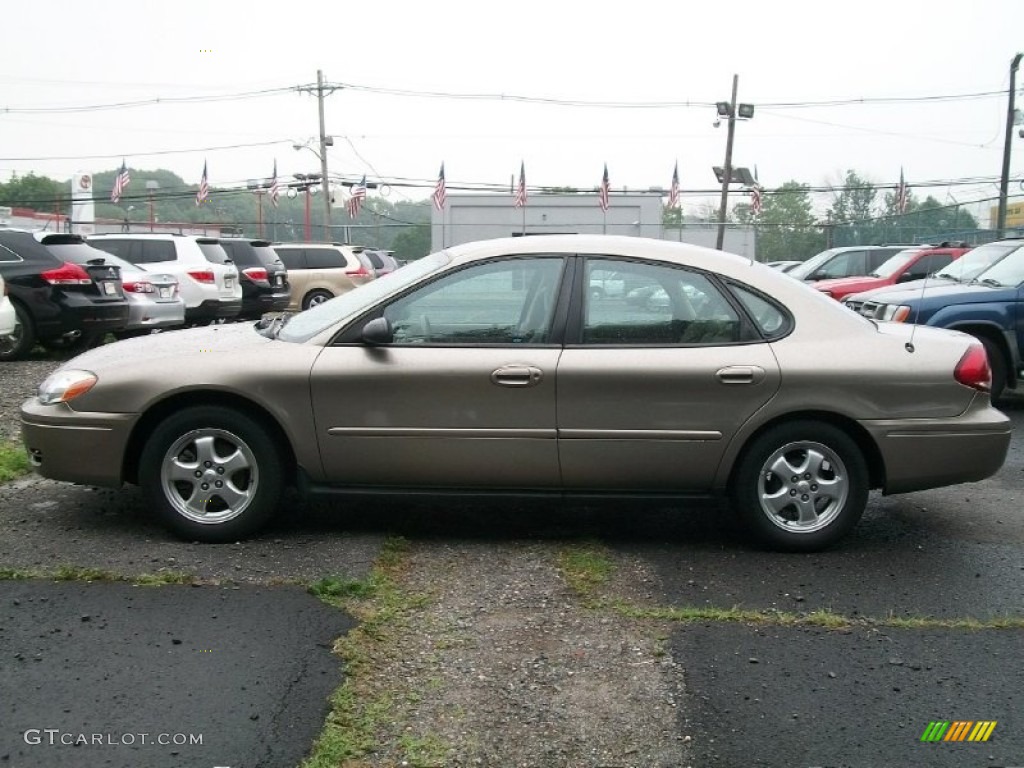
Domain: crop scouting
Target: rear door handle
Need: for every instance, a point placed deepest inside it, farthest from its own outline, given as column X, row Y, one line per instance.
column 517, row 376
column 740, row 374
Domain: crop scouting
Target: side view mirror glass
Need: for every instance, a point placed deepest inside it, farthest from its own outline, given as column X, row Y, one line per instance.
column 378, row 332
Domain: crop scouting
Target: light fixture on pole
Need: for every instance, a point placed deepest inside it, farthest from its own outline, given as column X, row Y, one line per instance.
column 731, row 111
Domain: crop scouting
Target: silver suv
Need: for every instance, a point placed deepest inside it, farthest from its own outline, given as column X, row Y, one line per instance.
column 207, row 278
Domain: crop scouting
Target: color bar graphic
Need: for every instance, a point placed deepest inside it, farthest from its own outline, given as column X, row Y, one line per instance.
column 959, row 730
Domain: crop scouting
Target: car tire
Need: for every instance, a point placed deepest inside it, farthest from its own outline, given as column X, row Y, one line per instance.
column 800, row 486
column 224, row 446
column 319, row 296
column 18, row 344
column 997, row 362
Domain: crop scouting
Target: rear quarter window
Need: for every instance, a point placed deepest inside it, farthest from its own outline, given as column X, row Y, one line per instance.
column 324, row 258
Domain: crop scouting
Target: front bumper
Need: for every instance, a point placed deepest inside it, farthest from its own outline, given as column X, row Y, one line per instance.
column 64, row 444
column 931, row 453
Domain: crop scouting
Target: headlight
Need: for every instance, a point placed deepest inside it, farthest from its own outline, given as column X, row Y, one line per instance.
column 897, row 313
column 65, row 385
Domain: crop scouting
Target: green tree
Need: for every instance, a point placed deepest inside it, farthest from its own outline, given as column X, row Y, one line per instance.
column 855, row 201
column 413, row 242
column 786, row 228
column 38, row 193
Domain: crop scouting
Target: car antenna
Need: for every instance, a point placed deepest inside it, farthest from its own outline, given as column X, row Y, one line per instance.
column 909, row 346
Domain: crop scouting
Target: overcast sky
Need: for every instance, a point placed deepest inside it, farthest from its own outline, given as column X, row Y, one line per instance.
column 86, row 54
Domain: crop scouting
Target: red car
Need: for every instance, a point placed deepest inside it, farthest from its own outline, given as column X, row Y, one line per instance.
column 907, row 265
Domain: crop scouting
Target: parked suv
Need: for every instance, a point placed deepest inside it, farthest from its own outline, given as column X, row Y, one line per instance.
column 378, row 261
column 321, row 271
column 207, row 278
column 57, row 303
column 153, row 300
column 907, row 265
column 265, row 286
column 847, row 261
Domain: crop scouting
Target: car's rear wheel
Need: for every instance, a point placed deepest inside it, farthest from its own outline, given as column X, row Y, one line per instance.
column 319, row 296
column 800, row 486
column 20, row 341
column 211, row 473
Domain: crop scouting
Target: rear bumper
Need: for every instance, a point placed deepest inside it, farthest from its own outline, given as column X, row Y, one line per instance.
column 256, row 305
column 931, row 453
column 64, row 444
column 214, row 309
column 154, row 314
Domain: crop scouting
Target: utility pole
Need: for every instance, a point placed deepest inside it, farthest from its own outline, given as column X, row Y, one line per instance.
column 1004, row 181
column 727, row 176
column 323, row 157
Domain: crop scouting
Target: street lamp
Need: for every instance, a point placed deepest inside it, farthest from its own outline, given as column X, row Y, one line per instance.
column 325, row 142
column 732, row 112
column 1004, row 180
column 307, row 183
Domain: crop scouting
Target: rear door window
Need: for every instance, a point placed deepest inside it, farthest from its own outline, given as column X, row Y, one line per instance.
column 153, row 251
column 293, row 258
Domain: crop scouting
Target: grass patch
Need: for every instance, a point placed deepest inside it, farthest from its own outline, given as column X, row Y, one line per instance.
column 586, row 568
column 13, row 461
column 362, row 707
column 74, row 573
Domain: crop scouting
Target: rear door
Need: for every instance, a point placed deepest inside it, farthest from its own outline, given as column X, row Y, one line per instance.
column 652, row 384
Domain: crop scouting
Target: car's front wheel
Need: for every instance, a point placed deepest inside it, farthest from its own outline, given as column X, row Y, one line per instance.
column 211, row 473
column 800, row 486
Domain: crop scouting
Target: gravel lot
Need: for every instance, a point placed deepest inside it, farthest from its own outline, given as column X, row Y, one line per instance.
column 18, row 381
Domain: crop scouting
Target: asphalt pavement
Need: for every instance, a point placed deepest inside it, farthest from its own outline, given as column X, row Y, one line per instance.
column 108, row 674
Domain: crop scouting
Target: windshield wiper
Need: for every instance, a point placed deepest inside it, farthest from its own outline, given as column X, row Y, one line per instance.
column 270, row 327
column 991, row 282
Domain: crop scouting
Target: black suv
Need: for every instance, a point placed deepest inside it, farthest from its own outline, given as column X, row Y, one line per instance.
column 263, row 276
column 57, row 303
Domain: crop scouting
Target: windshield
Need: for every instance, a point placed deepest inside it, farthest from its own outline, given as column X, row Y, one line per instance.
column 1008, row 271
column 894, row 264
column 306, row 325
column 800, row 271
column 974, row 262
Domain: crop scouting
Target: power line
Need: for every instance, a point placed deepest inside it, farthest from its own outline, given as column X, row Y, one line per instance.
column 149, row 102
column 151, row 153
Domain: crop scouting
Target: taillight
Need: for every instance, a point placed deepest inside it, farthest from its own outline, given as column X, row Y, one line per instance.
column 67, row 274
column 361, row 272
column 973, row 369
column 256, row 273
column 140, row 286
column 202, row 275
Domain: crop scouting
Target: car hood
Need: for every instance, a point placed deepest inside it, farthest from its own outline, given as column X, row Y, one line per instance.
column 181, row 346
column 849, row 284
column 946, row 294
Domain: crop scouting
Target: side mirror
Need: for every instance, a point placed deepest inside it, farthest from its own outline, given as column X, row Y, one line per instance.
column 906, row 277
column 378, row 332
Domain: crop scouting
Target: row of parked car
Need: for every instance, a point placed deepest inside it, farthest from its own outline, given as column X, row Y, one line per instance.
column 67, row 291
column 972, row 290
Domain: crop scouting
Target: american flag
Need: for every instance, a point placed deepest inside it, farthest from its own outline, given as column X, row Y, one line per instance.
column 519, row 200
column 275, row 188
column 673, row 191
column 902, row 195
column 204, row 188
column 120, row 182
column 358, row 195
column 756, row 200
column 440, row 196
column 605, row 190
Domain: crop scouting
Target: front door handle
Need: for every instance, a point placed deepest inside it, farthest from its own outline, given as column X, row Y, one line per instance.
column 517, row 376
column 740, row 374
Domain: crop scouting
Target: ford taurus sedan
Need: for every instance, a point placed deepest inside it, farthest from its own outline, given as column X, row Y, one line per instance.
column 491, row 368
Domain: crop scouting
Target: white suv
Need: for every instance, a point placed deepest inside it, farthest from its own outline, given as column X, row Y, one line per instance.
column 207, row 278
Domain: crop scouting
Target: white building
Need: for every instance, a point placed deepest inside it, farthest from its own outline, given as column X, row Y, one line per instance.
column 466, row 218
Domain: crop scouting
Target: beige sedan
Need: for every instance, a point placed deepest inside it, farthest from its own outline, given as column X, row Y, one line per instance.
column 491, row 367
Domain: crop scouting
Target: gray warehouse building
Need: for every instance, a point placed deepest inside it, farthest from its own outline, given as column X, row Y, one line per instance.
column 466, row 218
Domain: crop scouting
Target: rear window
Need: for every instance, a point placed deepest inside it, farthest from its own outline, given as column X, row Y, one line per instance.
column 267, row 255
column 214, row 252
column 240, row 252
column 293, row 258
column 375, row 259
column 80, row 253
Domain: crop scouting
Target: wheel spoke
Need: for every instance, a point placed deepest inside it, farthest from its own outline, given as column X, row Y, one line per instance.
column 231, row 495
column 777, row 502
column 205, row 449
column 236, row 462
column 179, row 471
column 783, row 468
column 806, row 513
